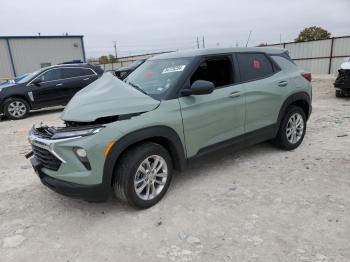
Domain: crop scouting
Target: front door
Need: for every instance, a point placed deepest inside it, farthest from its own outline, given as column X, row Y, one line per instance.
column 216, row 117
column 49, row 91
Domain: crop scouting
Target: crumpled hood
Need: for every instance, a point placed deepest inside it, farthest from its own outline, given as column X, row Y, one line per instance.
column 107, row 96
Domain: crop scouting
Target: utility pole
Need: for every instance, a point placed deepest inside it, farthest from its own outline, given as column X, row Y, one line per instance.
column 203, row 42
column 115, row 49
column 250, row 33
column 197, row 42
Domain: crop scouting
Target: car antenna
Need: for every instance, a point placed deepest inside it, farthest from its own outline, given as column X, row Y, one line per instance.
column 250, row 33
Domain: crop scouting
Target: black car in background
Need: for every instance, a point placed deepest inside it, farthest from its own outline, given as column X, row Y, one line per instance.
column 47, row 87
column 123, row 72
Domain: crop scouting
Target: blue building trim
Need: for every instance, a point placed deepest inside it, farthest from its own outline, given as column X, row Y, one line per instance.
column 83, row 48
column 11, row 57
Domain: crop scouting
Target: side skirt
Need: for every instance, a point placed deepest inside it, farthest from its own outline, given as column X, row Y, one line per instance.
column 240, row 142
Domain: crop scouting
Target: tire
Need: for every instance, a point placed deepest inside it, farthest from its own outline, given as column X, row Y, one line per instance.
column 339, row 93
column 282, row 140
column 132, row 167
column 16, row 108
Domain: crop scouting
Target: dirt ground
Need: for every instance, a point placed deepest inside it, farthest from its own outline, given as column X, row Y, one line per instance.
column 259, row 204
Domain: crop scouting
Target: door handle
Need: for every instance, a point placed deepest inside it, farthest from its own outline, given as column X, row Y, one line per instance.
column 283, row 83
column 60, row 84
column 235, row 94
column 86, row 79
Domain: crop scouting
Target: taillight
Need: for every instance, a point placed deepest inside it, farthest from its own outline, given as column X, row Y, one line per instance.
column 307, row 76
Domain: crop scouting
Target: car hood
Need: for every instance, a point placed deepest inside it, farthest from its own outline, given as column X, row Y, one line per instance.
column 107, row 96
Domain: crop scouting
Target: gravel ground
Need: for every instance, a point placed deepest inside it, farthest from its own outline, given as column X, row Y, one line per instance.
column 259, row 204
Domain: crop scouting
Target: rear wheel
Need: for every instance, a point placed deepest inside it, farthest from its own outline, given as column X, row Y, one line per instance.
column 143, row 175
column 292, row 129
column 16, row 108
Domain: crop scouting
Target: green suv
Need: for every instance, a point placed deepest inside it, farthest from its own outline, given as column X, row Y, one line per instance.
column 130, row 135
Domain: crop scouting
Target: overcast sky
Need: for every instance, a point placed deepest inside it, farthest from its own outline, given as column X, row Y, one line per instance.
column 155, row 25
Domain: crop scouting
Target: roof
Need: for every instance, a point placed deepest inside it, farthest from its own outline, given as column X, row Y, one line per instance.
column 215, row 51
column 41, row 36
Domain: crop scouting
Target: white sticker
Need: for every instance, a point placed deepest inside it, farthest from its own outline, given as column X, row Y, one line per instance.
column 174, row 69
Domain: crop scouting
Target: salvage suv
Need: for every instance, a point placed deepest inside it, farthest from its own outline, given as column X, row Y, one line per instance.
column 129, row 136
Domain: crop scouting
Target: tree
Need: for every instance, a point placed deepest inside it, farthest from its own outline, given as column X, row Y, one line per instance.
column 313, row 33
column 103, row 60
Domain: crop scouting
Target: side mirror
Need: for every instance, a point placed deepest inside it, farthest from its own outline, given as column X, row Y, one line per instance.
column 37, row 82
column 199, row 87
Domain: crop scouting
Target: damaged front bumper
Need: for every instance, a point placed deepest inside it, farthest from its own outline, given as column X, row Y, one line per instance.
column 61, row 169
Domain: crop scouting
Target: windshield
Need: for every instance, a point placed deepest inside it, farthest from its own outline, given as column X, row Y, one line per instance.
column 155, row 77
column 29, row 76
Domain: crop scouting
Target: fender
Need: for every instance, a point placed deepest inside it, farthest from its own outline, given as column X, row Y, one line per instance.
column 301, row 96
column 163, row 133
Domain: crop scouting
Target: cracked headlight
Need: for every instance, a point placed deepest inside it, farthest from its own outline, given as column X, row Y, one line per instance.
column 76, row 132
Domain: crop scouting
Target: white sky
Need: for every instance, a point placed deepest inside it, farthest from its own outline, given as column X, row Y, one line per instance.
column 156, row 25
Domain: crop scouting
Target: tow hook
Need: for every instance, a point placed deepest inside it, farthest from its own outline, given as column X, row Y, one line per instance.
column 29, row 155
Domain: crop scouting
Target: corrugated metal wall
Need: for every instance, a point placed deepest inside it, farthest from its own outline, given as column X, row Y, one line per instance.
column 5, row 61
column 29, row 53
column 319, row 57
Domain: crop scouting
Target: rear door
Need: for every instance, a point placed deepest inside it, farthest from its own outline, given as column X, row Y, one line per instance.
column 216, row 117
column 75, row 79
column 264, row 86
column 49, row 92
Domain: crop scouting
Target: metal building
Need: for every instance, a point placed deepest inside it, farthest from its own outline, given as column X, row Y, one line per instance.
column 24, row 54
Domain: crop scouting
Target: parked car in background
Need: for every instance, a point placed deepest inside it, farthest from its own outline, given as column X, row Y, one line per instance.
column 50, row 86
column 129, row 135
column 123, row 72
column 342, row 83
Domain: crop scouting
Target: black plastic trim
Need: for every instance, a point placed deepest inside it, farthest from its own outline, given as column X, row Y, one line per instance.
column 242, row 141
column 152, row 133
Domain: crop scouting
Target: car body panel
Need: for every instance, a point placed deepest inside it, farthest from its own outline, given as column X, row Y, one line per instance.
column 209, row 119
column 108, row 96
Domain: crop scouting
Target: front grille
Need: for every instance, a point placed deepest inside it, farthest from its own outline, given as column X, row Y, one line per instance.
column 44, row 132
column 46, row 159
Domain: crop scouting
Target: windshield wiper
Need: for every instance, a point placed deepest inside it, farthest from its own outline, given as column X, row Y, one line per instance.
column 137, row 87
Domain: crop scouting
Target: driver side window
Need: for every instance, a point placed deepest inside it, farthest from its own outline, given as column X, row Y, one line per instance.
column 51, row 75
column 217, row 70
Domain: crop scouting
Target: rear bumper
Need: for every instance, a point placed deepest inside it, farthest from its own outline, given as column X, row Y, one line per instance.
column 93, row 193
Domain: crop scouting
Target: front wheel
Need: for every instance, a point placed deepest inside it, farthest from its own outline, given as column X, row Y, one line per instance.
column 292, row 129
column 16, row 108
column 143, row 175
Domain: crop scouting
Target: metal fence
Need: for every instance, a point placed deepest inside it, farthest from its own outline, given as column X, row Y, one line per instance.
column 320, row 56
column 123, row 61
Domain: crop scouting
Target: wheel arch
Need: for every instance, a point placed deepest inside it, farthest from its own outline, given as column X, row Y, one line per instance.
column 301, row 99
column 16, row 96
column 162, row 135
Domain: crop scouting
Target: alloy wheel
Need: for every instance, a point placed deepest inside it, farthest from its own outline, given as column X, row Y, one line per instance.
column 295, row 128
column 151, row 177
column 17, row 109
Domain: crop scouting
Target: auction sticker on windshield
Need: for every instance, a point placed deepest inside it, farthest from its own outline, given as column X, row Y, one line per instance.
column 174, row 69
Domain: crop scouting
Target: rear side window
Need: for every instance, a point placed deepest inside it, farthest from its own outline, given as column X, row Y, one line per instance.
column 254, row 66
column 76, row 72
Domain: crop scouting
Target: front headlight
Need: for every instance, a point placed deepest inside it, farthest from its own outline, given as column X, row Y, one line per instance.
column 76, row 132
